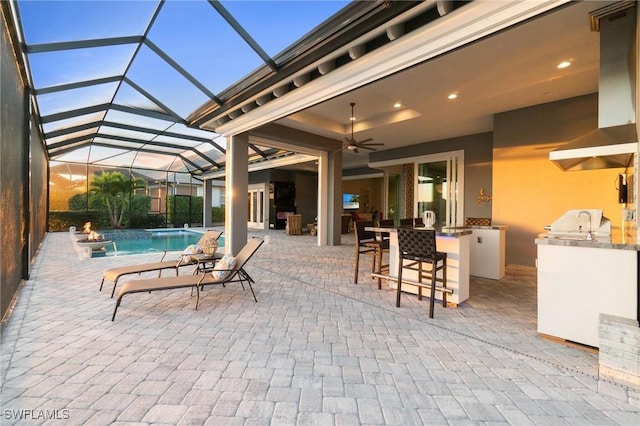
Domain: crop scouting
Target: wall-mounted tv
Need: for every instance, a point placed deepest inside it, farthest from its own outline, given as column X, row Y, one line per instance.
column 350, row 201
column 285, row 192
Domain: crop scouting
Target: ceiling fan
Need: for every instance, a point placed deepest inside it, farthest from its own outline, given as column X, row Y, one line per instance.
column 352, row 144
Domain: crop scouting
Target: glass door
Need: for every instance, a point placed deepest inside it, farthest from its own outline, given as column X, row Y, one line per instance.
column 439, row 187
column 393, row 196
column 432, row 190
column 256, row 208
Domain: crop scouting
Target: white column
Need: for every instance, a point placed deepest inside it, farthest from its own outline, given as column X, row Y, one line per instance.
column 207, row 203
column 237, row 185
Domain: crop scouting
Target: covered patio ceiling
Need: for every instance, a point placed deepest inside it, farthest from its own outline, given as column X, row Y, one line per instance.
column 114, row 82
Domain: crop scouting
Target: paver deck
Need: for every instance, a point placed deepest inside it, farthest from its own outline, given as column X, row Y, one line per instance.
column 315, row 350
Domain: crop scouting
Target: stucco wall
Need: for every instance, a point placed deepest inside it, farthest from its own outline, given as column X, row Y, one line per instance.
column 529, row 191
column 306, row 196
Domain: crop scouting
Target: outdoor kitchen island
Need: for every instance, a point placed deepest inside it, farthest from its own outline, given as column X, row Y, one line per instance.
column 456, row 242
column 580, row 279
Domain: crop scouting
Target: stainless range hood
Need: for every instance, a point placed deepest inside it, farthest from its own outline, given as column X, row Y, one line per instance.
column 615, row 141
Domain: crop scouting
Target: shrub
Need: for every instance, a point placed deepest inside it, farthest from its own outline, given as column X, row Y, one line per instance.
column 179, row 206
column 62, row 220
column 147, row 221
column 217, row 214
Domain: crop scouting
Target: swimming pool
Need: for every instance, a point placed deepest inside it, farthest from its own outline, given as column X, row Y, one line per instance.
column 160, row 240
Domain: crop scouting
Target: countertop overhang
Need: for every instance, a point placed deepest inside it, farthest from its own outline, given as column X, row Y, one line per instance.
column 596, row 242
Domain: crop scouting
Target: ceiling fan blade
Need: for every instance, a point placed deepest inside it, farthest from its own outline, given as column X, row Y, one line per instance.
column 372, row 144
column 347, row 140
column 369, row 148
column 365, row 141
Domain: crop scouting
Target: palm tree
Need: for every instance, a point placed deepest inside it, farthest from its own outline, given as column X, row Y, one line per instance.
column 115, row 190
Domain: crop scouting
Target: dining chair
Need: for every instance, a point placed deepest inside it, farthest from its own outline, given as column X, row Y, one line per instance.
column 367, row 242
column 420, row 246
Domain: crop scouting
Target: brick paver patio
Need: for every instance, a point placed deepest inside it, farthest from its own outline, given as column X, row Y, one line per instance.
column 315, row 350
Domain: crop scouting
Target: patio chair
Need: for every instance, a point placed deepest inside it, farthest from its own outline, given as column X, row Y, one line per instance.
column 114, row 274
column 196, row 281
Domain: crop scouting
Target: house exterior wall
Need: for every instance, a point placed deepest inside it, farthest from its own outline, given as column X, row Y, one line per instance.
column 478, row 167
column 529, row 191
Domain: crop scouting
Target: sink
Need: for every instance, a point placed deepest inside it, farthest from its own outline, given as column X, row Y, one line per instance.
column 576, row 236
column 569, row 237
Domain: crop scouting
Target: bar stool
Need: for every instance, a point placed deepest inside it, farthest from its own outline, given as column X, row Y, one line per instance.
column 367, row 242
column 420, row 246
column 407, row 221
column 386, row 223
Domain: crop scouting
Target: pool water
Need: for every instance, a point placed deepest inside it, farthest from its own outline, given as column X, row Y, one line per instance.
column 159, row 242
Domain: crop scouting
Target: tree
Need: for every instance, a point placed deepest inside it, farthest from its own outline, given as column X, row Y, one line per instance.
column 115, row 190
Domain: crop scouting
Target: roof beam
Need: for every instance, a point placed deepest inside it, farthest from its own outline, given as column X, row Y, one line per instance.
column 77, row 85
column 82, row 44
column 123, row 126
column 74, row 113
column 105, row 107
column 182, row 71
column 147, row 113
column 244, row 34
column 259, row 151
column 138, row 149
column 176, row 116
column 153, row 143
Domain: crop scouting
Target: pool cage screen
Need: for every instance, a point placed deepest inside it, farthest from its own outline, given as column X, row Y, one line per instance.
column 150, row 199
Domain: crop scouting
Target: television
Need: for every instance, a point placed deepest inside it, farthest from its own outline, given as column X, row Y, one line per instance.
column 350, row 201
column 285, row 193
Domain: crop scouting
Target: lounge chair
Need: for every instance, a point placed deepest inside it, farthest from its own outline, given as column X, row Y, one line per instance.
column 195, row 281
column 114, row 274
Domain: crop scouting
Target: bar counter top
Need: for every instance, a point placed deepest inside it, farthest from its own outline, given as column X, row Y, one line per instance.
column 616, row 243
column 440, row 232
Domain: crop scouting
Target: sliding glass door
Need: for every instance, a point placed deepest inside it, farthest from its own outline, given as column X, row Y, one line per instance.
column 439, row 187
column 393, row 202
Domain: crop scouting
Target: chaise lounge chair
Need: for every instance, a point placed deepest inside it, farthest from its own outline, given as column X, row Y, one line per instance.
column 197, row 281
column 114, row 274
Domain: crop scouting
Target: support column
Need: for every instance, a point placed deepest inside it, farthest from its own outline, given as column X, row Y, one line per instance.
column 207, row 203
column 237, row 185
column 323, row 199
column 329, row 198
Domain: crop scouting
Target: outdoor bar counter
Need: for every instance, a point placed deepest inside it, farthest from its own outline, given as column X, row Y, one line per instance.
column 456, row 242
column 580, row 279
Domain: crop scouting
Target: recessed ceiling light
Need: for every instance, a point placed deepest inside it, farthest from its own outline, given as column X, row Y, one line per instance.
column 453, row 95
column 397, row 105
column 563, row 64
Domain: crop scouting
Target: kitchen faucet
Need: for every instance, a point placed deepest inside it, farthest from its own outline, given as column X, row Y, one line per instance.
column 589, row 234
